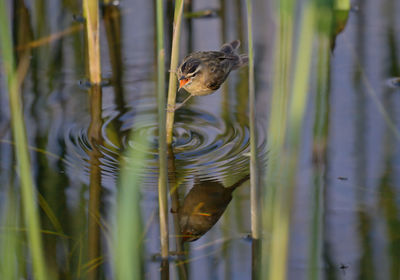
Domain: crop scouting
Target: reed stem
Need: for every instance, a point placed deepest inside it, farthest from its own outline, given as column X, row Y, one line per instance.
column 162, row 138
column 255, row 195
column 276, row 133
column 288, row 108
column 91, row 13
column 128, row 231
column 174, row 65
column 9, row 248
column 28, row 194
column 254, row 188
column 321, row 125
column 342, row 5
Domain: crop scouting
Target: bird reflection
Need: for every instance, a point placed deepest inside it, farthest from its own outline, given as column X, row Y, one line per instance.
column 203, row 206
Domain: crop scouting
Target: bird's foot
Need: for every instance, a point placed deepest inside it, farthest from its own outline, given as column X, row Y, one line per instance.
column 172, row 109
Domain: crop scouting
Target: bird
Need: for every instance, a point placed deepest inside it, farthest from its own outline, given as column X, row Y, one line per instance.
column 202, row 73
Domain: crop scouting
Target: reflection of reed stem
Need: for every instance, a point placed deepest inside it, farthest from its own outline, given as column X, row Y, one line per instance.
column 164, row 267
column 96, row 140
column 29, row 203
column 162, row 140
column 175, row 208
column 91, row 12
column 173, row 67
column 112, row 23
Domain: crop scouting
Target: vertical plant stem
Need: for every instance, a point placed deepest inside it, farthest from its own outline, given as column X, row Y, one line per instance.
column 91, row 13
column 162, row 139
column 254, row 191
column 285, row 150
column 342, row 4
column 302, row 72
column 321, row 125
column 128, row 231
column 170, row 121
column 299, row 96
column 174, row 65
column 255, row 200
column 31, row 215
column 9, row 251
column 276, row 133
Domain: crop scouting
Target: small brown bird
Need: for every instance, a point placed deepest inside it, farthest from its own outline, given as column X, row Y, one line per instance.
column 202, row 73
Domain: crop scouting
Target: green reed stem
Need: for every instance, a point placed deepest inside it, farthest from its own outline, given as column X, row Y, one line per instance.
column 174, row 65
column 9, row 249
column 276, row 139
column 162, row 137
column 287, row 133
column 91, row 13
column 321, row 129
column 342, row 4
column 29, row 203
column 128, row 231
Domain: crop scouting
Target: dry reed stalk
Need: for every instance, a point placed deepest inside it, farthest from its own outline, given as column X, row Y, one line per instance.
column 91, row 13
column 174, row 65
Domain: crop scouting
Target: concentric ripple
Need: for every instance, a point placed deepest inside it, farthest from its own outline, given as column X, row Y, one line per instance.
column 210, row 147
column 205, row 146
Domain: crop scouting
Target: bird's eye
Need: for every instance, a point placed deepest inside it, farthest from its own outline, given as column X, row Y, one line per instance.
column 193, row 68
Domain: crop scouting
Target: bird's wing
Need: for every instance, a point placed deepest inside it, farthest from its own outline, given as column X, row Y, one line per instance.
column 219, row 66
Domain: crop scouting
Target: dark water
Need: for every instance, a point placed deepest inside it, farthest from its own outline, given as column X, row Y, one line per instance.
column 361, row 198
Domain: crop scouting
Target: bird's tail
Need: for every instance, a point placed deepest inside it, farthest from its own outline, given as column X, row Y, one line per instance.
column 230, row 48
column 242, row 61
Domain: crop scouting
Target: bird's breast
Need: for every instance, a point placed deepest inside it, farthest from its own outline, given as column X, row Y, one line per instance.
column 202, row 91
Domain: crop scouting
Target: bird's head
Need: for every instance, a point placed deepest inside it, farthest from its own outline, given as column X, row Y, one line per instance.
column 189, row 73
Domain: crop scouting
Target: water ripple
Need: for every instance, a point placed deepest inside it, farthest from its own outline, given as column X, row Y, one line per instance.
column 205, row 146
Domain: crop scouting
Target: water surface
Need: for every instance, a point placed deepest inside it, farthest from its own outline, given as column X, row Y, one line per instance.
column 360, row 197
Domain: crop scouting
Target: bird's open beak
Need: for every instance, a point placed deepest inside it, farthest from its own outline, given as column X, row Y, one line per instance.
column 182, row 81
